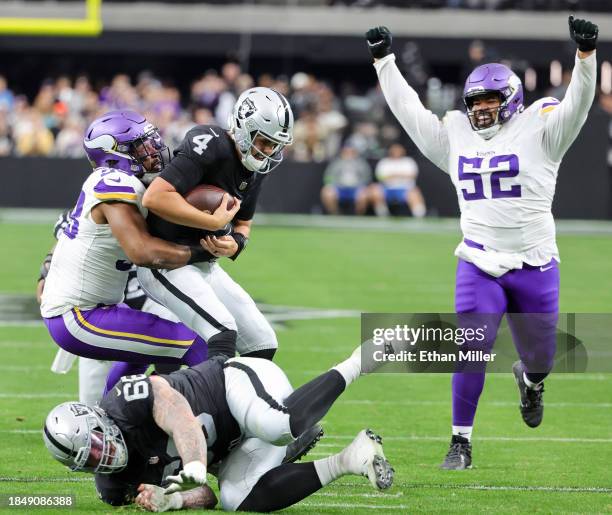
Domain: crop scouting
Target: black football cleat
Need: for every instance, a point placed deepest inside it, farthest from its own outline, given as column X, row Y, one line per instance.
column 532, row 405
column 459, row 455
column 305, row 443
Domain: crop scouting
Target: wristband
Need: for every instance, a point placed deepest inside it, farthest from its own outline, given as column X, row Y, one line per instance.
column 241, row 240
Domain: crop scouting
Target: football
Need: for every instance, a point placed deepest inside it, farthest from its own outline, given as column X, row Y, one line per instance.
column 207, row 198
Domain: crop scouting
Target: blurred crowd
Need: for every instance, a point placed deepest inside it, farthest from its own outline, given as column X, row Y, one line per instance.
column 527, row 5
column 53, row 122
column 352, row 130
column 532, row 5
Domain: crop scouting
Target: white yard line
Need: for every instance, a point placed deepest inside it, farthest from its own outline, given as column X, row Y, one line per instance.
column 395, row 495
column 552, row 439
column 353, row 223
column 60, row 395
column 482, row 403
column 353, row 506
column 410, row 438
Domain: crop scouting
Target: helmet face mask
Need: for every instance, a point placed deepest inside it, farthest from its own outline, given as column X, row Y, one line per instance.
column 152, row 154
column 124, row 140
column 484, row 109
column 485, row 81
column 261, row 118
column 85, row 439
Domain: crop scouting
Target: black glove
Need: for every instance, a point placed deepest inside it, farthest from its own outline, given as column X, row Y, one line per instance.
column 379, row 42
column 584, row 33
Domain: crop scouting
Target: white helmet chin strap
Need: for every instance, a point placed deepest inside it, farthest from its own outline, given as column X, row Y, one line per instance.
column 250, row 162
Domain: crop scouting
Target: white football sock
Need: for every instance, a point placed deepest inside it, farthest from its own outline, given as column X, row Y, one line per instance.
column 463, row 431
column 350, row 368
column 329, row 469
column 530, row 385
column 419, row 211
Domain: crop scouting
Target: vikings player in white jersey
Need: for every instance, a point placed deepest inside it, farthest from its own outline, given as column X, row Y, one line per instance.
column 503, row 159
column 82, row 299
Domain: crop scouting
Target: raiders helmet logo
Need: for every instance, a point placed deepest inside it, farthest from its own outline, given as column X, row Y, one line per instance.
column 246, row 109
column 79, row 410
column 243, row 185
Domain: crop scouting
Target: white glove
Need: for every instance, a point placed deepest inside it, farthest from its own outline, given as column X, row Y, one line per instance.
column 192, row 476
column 154, row 498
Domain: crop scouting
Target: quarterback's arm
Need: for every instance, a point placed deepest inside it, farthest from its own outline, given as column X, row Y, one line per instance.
column 563, row 122
column 424, row 128
column 142, row 249
column 162, row 198
column 232, row 245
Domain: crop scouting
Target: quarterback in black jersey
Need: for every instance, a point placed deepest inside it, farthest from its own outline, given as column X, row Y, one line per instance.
column 152, row 440
column 237, row 161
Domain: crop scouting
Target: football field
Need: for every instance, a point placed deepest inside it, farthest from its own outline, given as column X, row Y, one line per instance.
column 313, row 282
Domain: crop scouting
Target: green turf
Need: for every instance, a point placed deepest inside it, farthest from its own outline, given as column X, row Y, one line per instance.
column 546, row 470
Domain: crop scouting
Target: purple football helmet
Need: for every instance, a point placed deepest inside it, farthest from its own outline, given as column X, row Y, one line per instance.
column 494, row 78
column 125, row 140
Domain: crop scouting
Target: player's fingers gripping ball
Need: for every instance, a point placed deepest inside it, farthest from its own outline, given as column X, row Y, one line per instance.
column 379, row 42
column 584, row 33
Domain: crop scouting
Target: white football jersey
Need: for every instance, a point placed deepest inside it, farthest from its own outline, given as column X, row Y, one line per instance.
column 505, row 185
column 89, row 267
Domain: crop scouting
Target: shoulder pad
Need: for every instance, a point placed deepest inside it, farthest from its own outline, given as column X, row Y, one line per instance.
column 117, row 185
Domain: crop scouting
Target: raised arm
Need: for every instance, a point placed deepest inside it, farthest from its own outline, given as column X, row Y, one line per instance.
column 563, row 123
column 424, row 128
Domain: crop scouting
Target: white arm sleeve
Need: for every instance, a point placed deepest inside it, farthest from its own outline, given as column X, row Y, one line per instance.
column 565, row 121
column 424, row 128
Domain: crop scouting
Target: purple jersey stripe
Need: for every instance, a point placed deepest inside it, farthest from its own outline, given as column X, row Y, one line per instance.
column 546, row 104
column 130, row 339
column 103, row 187
column 473, row 244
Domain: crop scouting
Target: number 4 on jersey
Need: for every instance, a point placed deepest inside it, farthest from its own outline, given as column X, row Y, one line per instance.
column 201, row 143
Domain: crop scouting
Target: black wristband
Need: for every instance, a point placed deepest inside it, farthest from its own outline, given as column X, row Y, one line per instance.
column 44, row 268
column 241, row 240
column 199, row 255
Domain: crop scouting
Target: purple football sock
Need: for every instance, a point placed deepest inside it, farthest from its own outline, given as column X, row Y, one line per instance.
column 197, row 353
column 120, row 369
column 467, row 388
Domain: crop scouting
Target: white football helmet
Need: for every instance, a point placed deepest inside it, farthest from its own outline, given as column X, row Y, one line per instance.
column 85, row 439
column 265, row 112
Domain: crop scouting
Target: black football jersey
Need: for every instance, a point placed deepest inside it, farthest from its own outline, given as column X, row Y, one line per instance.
column 152, row 455
column 207, row 155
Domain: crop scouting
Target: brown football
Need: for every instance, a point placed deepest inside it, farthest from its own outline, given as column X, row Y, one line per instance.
column 207, row 198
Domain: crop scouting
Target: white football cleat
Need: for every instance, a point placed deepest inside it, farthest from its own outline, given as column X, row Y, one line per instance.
column 365, row 457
